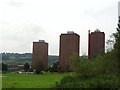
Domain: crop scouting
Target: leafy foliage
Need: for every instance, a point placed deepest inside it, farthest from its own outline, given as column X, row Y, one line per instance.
column 75, row 62
column 67, row 79
column 39, row 67
column 26, row 67
column 102, row 81
column 99, row 72
column 4, row 67
column 117, row 45
column 66, row 82
column 55, row 67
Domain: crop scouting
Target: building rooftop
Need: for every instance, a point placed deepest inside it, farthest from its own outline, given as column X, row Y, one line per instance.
column 70, row 32
column 41, row 40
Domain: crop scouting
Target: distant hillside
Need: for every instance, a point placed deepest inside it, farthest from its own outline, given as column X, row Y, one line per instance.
column 23, row 58
column 52, row 59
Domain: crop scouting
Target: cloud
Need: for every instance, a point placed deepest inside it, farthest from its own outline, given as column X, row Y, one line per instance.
column 20, row 37
column 15, row 3
column 25, row 21
column 21, row 31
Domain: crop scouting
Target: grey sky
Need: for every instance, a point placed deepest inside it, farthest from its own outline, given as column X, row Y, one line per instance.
column 25, row 21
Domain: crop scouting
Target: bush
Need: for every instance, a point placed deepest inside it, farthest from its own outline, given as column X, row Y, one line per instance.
column 84, row 70
column 67, row 79
column 66, row 82
column 38, row 71
column 111, row 81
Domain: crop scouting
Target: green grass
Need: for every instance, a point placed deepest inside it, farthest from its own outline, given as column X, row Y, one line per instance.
column 47, row 80
column 0, row 81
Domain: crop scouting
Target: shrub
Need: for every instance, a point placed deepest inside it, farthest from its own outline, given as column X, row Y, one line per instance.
column 67, row 79
column 66, row 82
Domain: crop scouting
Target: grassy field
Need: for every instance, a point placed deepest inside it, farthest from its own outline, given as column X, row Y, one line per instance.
column 47, row 80
column 0, row 81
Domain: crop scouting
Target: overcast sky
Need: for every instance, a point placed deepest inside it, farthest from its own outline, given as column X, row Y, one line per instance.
column 25, row 21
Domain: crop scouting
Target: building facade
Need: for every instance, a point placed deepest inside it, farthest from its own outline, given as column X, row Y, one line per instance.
column 15, row 67
column 96, row 43
column 40, row 55
column 119, row 9
column 69, row 44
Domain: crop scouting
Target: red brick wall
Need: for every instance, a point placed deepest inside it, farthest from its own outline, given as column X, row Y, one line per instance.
column 40, row 54
column 97, row 43
column 69, row 44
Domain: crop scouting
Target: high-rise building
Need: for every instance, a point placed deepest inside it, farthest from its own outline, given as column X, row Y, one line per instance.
column 96, row 43
column 69, row 44
column 40, row 54
column 119, row 9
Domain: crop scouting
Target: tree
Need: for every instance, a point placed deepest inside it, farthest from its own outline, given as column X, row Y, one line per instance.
column 4, row 67
column 55, row 67
column 75, row 61
column 110, row 43
column 117, row 45
column 0, row 67
column 39, row 67
column 26, row 67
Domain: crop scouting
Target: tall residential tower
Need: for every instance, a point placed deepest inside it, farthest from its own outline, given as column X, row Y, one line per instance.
column 119, row 9
column 96, row 43
column 40, row 54
column 69, row 44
